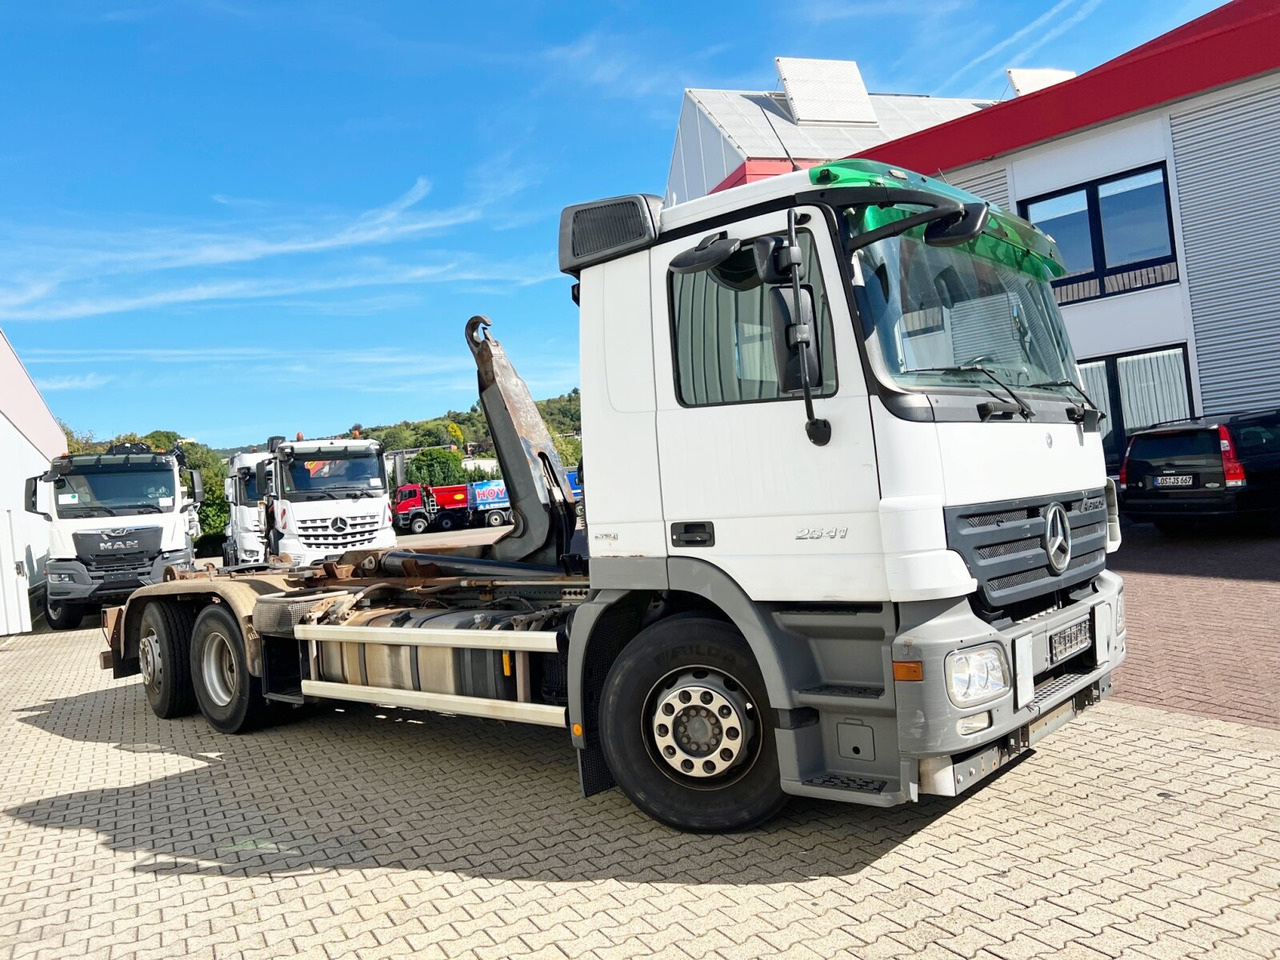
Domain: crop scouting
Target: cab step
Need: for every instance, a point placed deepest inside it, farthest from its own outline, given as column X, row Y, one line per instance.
column 848, row 788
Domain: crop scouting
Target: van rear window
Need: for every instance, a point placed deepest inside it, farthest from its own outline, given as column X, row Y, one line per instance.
column 1171, row 446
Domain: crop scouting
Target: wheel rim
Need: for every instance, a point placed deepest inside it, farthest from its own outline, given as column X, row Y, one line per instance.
column 55, row 611
column 218, row 666
column 149, row 661
column 701, row 727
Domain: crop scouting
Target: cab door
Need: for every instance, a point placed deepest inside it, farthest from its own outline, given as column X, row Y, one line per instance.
column 743, row 487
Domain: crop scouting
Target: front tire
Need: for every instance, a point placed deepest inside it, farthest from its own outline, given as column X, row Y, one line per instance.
column 230, row 698
column 419, row 525
column 164, row 656
column 687, row 730
column 62, row 614
column 445, row 522
column 494, row 518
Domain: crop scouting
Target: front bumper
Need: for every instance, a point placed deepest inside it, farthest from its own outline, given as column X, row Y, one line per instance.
column 1041, row 695
column 76, row 582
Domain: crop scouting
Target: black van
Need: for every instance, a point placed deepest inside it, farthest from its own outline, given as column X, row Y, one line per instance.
column 1207, row 468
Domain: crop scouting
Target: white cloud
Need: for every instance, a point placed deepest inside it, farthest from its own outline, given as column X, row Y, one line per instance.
column 1010, row 40
column 83, row 381
column 70, row 273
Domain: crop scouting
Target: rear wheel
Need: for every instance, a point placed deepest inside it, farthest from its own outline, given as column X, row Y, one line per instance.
column 164, row 656
column 229, row 696
column 62, row 614
column 418, row 525
column 687, row 729
column 495, row 518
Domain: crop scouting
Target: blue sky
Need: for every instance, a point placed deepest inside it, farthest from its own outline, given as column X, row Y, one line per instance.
column 234, row 218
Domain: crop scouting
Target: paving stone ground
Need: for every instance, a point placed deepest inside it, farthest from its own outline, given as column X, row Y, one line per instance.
column 1149, row 828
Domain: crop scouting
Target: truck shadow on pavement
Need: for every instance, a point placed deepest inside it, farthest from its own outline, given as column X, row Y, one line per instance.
column 1232, row 552
column 360, row 787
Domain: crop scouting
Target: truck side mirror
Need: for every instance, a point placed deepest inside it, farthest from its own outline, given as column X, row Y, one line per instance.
column 792, row 328
column 229, row 489
column 29, row 491
column 959, row 228
column 264, row 489
column 197, row 487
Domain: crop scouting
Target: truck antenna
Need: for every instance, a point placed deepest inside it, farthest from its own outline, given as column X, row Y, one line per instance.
column 794, row 166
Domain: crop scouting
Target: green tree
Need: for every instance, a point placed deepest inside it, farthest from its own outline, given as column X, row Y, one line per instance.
column 570, row 450
column 435, row 468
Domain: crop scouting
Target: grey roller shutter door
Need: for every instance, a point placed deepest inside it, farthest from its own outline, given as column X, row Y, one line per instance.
column 992, row 185
column 1227, row 163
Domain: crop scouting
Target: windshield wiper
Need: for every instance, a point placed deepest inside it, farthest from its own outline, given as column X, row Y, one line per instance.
column 1022, row 406
column 143, row 508
column 1084, row 396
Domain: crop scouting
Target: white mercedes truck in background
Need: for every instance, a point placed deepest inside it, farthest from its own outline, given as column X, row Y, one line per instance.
column 847, row 537
column 245, row 541
column 116, row 521
column 331, row 497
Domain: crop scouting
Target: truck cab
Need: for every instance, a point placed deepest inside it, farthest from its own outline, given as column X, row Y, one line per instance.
column 246, row 542
column 116, row 521
column 323, row 498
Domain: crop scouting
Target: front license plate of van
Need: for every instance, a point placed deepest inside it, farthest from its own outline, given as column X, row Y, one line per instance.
column 1183, row 480
column 1070, row 639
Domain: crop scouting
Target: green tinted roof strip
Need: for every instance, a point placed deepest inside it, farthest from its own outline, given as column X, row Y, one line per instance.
column 1007, row 239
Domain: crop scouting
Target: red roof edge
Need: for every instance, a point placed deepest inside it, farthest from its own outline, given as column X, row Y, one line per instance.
column 1231, row 44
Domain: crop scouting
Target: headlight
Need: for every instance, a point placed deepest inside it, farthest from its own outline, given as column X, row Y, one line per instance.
column 60, row 578
column 976, row 674
column 1120, row 613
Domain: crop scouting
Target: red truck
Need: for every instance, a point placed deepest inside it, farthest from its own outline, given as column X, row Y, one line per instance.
column 419, row 509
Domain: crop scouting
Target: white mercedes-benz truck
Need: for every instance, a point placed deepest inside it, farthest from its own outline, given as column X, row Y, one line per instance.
column 308, row 500
column 245, row 541
column 848, row 531
column 116, row 521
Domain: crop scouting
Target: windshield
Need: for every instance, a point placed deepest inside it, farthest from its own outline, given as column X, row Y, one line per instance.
column 936, row 310
column 118, row 492
column 338, row 475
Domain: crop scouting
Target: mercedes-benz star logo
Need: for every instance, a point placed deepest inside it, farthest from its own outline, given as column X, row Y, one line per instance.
column 339, row 524
column 1057, row 537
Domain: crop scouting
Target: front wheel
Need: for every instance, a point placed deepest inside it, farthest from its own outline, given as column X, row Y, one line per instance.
column 62, row 614
column 229, row 696
column 687, row 729
column 495, row 518
column 418, row 525
column 445, row 522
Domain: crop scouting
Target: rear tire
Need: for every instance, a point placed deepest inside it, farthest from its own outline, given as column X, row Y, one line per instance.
column 164, row 654
column 729, row 779
column 418, row 525
column 62, row 614
column 494, row 518
column 230, row 698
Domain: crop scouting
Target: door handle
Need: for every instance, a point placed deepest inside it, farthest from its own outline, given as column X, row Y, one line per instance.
column 697, row 534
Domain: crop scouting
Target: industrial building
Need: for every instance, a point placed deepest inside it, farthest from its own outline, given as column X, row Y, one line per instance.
column 29, row 438
column 1150, row 171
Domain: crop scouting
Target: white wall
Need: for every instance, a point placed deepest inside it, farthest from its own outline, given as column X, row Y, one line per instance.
column 29, row 438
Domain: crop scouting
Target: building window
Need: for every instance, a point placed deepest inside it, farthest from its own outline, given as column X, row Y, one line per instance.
column 1115, row 235
column 723, row 332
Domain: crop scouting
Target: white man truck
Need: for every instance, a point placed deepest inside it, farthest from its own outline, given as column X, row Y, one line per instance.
column 331, row 497
column 848, row 530
column 117, row 520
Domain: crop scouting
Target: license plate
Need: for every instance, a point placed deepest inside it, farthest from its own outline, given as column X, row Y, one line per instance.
column 1070, row 639
column 1179, row 481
